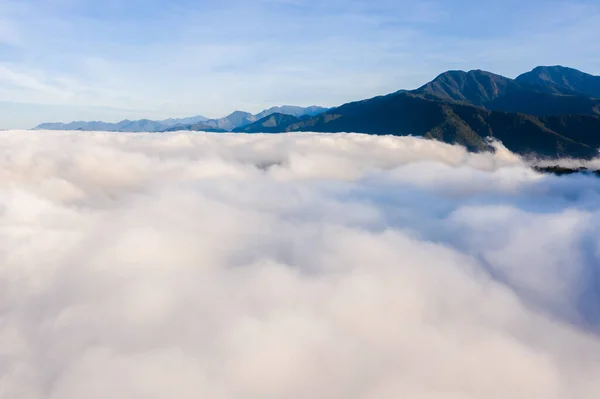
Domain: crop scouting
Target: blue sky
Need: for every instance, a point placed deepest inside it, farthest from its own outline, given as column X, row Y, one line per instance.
column 63, row 60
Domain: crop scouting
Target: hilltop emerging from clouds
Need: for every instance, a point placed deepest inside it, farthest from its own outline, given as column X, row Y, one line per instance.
column 548, row 112
column 227, row 123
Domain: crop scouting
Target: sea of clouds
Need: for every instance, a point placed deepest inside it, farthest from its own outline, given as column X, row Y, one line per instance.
column 346, row 266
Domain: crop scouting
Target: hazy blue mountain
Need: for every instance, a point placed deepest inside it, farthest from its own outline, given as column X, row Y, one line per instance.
column 227, row 123
column 291, row 110
column 80, row 125
column 239, row 119
column 197, row 127
column 231, row 121
column 272, row 123
column 184, row 121
column 562, row 79
column 142, row 125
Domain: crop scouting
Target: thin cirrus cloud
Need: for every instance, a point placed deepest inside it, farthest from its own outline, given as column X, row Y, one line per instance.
column 182, row 58
column 292, row 266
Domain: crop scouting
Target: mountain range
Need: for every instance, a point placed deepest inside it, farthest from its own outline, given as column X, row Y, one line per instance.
column 142, row 125
column 551, row 111
column 548, row 112
column 197, row 123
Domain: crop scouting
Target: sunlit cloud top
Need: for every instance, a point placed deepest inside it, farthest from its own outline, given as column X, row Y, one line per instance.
column 301, row 265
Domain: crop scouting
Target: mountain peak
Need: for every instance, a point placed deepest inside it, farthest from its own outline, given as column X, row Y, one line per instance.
column 234, row 120
column 292, row 110
column 454, row 73
column 555, row 68
column 563, row 80
column 272, row 123
column 476, row 86
column 238, row 114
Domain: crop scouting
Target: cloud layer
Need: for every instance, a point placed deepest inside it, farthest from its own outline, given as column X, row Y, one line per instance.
column 292, row 266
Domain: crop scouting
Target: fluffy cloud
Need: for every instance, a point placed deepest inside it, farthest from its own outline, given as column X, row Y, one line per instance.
column 292, row 266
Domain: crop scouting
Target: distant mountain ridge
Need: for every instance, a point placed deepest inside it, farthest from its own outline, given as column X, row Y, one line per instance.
column 239, row 119
column 227, row 123
column 231, row 121
column 292, row 110
column 126, row 125
column 273, row 123
column 199, row 127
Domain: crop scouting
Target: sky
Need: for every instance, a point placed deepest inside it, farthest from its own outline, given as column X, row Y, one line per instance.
column 64, row 60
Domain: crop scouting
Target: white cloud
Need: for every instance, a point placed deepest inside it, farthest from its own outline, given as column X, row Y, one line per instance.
column 297, row 265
